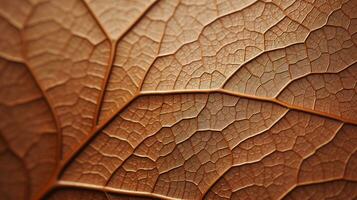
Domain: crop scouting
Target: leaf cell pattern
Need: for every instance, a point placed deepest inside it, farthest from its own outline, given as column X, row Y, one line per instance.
column 28, row 136
column 178, row 99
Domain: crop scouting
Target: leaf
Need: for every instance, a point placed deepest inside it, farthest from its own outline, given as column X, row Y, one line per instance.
column 178, row 99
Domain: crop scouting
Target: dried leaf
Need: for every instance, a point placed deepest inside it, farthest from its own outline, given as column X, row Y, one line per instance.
column 129, row 99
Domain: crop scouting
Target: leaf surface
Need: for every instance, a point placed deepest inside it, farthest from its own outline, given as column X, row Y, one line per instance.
column 128, row 99
column 29, row 143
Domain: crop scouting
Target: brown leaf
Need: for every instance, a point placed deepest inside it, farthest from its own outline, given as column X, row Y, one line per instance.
column 177, row 99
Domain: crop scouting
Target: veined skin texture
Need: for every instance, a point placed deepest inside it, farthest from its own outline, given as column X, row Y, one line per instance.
column 178, row 99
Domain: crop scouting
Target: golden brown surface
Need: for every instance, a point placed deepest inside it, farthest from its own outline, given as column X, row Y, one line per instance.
column 168, row 99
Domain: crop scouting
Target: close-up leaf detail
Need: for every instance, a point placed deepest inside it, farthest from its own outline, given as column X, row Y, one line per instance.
column 178, row 99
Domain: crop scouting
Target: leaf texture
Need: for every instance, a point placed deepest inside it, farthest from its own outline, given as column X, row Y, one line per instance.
column 178, row 99
column 116, row 17
column 28, row 138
